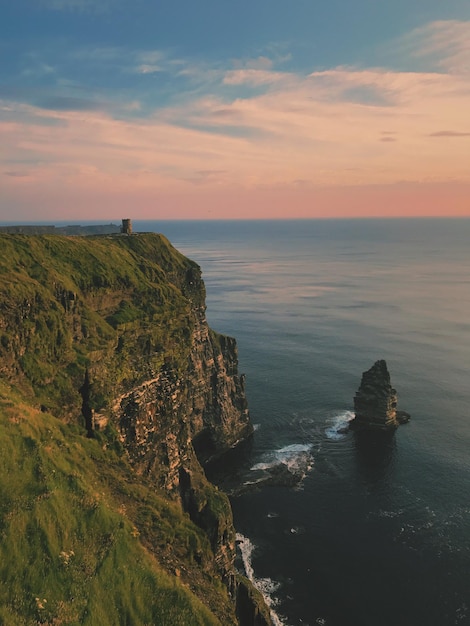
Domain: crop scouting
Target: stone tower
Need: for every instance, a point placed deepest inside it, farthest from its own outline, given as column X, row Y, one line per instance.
column 126, row 228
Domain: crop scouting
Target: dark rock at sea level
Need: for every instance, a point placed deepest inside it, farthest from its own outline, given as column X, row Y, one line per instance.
column 375, row 402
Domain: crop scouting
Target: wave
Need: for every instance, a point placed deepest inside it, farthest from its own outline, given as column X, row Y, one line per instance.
column 265, row 586
column 287, row 466
column 289, row 455
column 338, row 425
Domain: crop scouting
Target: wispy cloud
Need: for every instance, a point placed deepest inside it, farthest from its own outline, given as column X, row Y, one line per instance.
column 442, row 45
column 38, row 70
column 151, row 56
column 69, row 103
column 254, row 77
column 97, row 54
column 449, row 133
column 148, row 69
column 150, row 62
column 259, row 63
column 16, row 174
column 244, row 125
column 88, row 6
column 202, row 177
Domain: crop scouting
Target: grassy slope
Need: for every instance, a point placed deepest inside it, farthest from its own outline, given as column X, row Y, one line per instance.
column 82, row 539
column 84, row 542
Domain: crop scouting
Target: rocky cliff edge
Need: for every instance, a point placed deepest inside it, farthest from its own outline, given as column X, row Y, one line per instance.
column 110, row 332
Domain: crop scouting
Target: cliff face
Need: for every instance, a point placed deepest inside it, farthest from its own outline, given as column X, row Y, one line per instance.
column 202, row 408
column 111, row 332
column 178, row 419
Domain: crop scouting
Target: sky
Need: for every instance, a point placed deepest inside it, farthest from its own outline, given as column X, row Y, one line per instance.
column 212, row 109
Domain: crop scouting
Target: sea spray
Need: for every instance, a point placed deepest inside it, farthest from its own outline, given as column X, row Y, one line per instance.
column 338, row 425
column 265, row 586
column 287, row 466
column 292, row 456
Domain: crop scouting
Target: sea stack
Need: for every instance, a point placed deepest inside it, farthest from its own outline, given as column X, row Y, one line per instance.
column 375, row 402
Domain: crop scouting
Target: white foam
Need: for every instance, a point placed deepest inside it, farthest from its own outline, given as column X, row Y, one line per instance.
column 384, row 513
column 246, row 550
column 294, row 456
column 265, row 586
column 250, row 483
column 337, row 424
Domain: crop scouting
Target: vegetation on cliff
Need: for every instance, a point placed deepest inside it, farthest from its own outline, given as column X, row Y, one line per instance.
column 113, row 304
column 120, row 526
column 83, row 541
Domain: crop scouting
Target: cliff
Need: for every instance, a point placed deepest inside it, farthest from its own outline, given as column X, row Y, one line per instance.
column 115, row 392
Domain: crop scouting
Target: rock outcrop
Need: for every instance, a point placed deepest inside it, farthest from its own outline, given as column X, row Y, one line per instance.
column 375, row 402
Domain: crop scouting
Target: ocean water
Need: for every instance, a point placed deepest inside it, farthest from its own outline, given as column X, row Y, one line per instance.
column 375, row 536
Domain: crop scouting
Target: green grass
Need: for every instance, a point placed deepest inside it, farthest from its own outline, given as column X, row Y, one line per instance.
column 83, row 541
column 118, row 306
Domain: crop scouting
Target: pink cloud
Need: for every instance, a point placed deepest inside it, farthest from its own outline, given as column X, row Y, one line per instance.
column 253, row 77
column 449, row 133
column 308, row 145
column 292, row 132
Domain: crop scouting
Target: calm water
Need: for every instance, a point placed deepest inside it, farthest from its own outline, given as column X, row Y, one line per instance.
column 371, row 538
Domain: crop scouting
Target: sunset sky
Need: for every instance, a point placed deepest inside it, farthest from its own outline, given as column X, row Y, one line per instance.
column 252, row 109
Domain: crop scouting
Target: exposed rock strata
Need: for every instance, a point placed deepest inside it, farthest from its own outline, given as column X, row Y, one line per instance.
column 375, row 402
column 161, row 419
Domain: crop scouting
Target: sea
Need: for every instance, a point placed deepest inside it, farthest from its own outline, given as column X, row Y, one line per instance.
column 365, row 533
column 374, row 534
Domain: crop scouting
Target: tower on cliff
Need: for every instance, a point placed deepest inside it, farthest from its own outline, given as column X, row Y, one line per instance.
column 126, row 228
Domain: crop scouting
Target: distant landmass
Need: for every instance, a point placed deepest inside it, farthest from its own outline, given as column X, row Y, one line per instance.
column 50, row 229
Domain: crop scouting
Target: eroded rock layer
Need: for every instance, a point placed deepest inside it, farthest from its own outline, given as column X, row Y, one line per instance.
column 375, row 402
